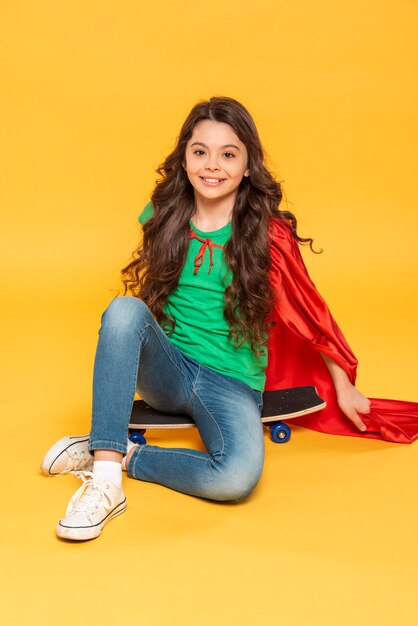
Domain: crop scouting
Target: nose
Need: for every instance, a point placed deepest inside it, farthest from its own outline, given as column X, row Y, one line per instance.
column 212, row 164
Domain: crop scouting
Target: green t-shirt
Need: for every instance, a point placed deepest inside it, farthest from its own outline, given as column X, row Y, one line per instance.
column 197, row 306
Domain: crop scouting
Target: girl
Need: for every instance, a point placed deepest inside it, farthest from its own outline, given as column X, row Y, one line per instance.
column 206, row 285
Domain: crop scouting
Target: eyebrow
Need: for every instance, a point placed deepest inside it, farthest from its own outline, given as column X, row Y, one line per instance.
column 200, row 143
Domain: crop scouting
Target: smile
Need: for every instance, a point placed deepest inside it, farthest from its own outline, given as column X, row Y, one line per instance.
column 212, row 181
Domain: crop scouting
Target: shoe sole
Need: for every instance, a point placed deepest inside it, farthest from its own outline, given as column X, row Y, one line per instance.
column 55, row 452
column 90, row 532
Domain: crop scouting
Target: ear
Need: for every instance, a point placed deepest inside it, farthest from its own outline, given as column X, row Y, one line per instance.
column 247, row 173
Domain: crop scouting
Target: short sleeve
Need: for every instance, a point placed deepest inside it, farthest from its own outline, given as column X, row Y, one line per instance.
column 146, row 214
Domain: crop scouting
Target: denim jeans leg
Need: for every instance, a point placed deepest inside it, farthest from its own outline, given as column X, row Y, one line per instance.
column 129, row 335
column 227, row 413
column 134, row 351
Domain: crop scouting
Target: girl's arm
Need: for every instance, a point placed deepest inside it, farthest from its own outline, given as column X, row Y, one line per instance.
column 350, row 400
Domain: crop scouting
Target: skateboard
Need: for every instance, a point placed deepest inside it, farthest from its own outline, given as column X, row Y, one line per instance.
column 278, row 405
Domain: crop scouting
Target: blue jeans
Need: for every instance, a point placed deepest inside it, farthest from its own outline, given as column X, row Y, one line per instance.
column 133, row 353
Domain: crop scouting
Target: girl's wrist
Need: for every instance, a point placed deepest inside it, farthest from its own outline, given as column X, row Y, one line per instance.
column 339, row 376
column 342, row 385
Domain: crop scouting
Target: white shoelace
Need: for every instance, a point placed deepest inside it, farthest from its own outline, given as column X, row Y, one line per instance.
column 89, row 497
column 79, row 458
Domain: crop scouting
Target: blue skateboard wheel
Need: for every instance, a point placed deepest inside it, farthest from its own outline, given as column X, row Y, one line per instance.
column 280, row 432
column 137, row 437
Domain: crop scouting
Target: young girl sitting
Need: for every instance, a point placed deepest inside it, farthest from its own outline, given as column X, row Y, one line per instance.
column 206, row 283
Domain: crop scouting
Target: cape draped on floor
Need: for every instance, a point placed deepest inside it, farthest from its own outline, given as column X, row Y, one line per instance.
column 303, row 327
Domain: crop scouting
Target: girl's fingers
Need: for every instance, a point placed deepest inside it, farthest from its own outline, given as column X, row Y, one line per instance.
column 365, row 406
column 353, row 404
column 357, row 421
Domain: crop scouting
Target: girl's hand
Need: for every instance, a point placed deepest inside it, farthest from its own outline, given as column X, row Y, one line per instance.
column 350, row 400
column 351, row 403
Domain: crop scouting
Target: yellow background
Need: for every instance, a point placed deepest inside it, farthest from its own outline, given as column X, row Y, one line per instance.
column 93, row 96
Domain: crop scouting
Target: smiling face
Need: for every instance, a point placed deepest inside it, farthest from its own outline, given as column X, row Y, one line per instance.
column 215, row 162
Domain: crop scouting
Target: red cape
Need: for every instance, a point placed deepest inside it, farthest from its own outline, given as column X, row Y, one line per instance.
column 303, row 327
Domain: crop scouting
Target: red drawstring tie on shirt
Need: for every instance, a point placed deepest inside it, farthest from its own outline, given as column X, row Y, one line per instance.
column 200, row 256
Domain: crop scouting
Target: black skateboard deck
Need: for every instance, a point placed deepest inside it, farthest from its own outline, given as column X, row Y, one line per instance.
column 278, row 405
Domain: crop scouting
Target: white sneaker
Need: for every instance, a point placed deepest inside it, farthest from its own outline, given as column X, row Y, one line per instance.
column 69, row 454
column 94, row 504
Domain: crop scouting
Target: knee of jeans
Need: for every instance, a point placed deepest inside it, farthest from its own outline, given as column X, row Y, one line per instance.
column 235, row 480
column 124, row 312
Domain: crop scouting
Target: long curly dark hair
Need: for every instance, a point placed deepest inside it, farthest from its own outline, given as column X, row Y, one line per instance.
column 155, row 269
